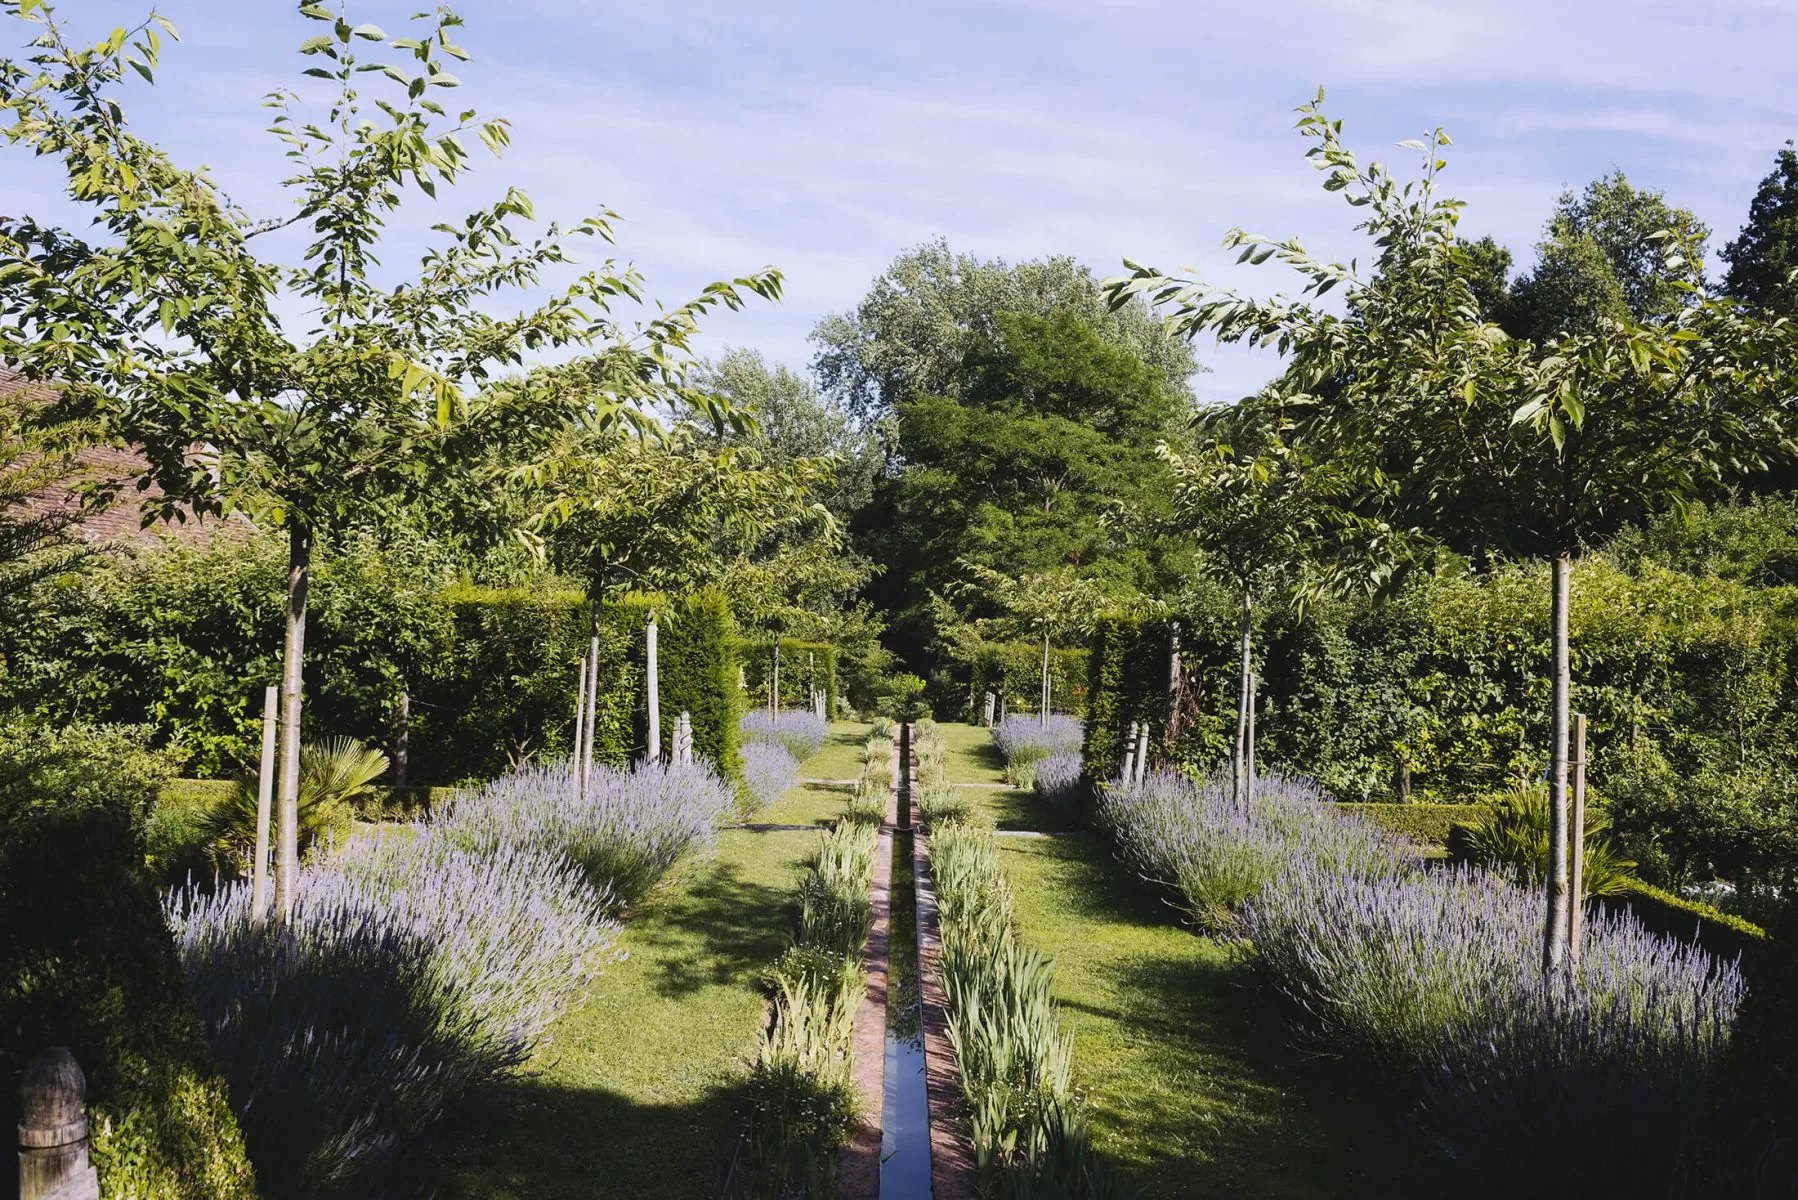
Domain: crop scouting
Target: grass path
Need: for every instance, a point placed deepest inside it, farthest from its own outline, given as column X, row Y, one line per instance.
column 637, row 1094
column 1193, row 1087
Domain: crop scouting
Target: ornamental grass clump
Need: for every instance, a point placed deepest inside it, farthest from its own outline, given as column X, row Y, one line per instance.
column 406, row 973
column 1192, row 837
column 1026, row 1124
column 625, row 833
column 1026, row 741
column 768, row 771
column 1436, row 980
column 802, row 1094
column 799, row 731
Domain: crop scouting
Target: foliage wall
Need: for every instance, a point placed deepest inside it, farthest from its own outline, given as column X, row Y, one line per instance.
column 1441, row 693
column 185, row 641
column 803, row 665
column 1014, row 670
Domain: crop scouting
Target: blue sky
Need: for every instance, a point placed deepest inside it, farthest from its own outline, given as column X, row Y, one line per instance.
column 824, row 139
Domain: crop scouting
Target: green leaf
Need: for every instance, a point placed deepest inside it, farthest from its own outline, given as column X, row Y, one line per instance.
column 369, row 33
column 317, row 12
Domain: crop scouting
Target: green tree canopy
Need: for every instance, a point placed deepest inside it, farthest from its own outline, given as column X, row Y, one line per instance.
column 1764, row 255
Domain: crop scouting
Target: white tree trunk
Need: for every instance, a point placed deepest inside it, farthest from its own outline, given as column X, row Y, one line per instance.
column 1576, row 889
column 287, row 842
column 1046, row 696
column 1554, row 940
column 1239, row 751
column 578, row 756
column 265, row 798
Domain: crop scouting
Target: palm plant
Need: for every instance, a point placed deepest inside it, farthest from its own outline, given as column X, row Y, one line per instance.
column 334, row 773
column 1514, row 838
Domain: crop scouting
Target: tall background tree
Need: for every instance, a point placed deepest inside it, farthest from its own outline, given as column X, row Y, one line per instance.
column 1764, row 255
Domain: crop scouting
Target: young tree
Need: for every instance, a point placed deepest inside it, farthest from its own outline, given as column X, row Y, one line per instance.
column 1763, row 259
column 166, row 320
column 1246, row 496
column 1456, row 430
column 1042, row 606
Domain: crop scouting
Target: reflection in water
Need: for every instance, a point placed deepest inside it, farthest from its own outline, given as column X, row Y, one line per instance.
column 905, row 1111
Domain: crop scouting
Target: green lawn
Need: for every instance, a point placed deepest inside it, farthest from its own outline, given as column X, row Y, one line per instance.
column 841, row 755
column 637, row 1096
column 1193, row 1084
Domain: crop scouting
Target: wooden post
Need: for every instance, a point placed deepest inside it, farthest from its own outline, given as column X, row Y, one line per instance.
column 1129, row 771
column 1046, row 693
column 774, row 682
column 992, row 704
column 265, row 798
column 402, row 741
column 287, row 792
column 653, row 686
column 819, row 700
column 578, row 756
column 1142, row 752
column 1576, row 843
column 53, row 1162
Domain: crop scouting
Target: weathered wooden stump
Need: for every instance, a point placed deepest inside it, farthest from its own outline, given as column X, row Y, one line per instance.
column 53, row 1161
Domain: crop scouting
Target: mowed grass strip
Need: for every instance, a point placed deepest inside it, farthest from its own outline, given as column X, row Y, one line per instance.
column 1193, row 1084
column 639, row 1093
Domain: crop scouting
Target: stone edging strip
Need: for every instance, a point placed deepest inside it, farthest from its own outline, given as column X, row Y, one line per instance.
column 952, row 1168
column 858, row 1163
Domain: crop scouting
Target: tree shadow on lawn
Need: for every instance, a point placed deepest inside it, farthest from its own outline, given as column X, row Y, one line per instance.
column 529, row 1139
column 718, row 927
column 1198, row 1088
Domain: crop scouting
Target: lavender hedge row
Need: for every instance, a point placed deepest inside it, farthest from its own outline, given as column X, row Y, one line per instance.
column 799, row 731
column 1057, row 778
column 1433, row 976
column 408, row 972
column 768, row 771
column 1026, row 741
column 629, row 828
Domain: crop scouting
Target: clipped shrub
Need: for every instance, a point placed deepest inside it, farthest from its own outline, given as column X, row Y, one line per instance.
column 629, row 828
column 1428, row 825
column 768, row 771
column 1192, row 837
column 800, row 732
column 1436, row 979
column 87, row 962
column 1026, row 741
column 407, row 972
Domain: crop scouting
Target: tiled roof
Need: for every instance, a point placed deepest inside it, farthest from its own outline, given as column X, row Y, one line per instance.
column 119, row 523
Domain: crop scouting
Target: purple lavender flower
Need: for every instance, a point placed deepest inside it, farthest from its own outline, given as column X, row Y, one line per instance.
column 1057, row 778
column 799, row 731
column 625, row 833
column 1027, row 740
column 768, row 771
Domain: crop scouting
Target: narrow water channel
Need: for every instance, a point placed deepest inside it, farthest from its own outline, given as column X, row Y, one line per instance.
column 905, row 1111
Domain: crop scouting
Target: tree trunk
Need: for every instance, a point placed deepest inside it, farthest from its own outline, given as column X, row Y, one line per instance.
column 1248, row 745
column 265, row 798
column 774, row 681
column 1576, row 890
column 1554, row 940
column 402, row 741
column 1171, row 731
column 287, row 840
column 1239, row 751
column 1045, row 707
column 653, row 689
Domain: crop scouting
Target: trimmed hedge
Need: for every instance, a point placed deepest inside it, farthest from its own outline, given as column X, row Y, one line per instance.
column 802, row 665
column 508, row 689
column 87, row 962
column 1425, row 824
column 1127, row 671
column 1015, row 670
column 1722, row 934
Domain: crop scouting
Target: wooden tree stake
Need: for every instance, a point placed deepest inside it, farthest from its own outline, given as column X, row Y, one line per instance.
column 265, row 797
column 653, row 686
column 1576, row 843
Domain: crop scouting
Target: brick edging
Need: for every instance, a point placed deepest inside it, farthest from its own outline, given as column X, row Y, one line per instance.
column 858, row 1162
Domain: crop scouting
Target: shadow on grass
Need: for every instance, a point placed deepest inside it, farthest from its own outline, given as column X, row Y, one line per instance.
column 987, row 755
column 530, row 1139
column 724, row 917
column 1198, row 1087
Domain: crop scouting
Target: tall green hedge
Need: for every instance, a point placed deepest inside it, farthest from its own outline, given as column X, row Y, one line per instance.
column 803, row 665
column 1014, row 670
column 507, row 687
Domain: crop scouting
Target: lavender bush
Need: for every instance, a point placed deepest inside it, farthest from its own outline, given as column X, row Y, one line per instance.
column 1057, row 778
column 1437, row 979
column 1026, row 741
column 1191, row 836
column 768, row 771
column 408, row 972
column 629, row 829
column 799, row 731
